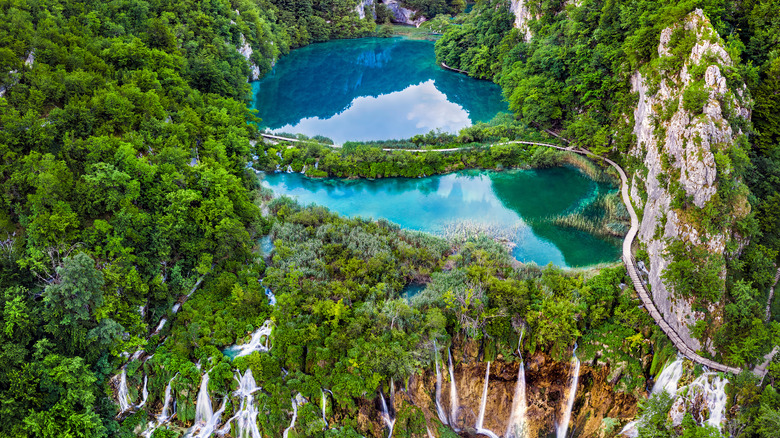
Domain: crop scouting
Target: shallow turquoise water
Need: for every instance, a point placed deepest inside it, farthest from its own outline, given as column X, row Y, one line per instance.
column 515, row 205
column 371, row 89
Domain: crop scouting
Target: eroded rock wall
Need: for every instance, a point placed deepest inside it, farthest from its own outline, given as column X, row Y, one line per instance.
column 678, row 146
column 522, row 16
column 403, row 15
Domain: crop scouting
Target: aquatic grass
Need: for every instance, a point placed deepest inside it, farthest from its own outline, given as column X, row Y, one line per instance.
column 605, row 216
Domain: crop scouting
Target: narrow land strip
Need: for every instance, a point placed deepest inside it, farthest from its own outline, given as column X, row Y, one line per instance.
column 628, row 258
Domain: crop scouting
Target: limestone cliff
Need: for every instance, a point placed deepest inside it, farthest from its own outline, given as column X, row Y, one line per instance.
column 687, row 122
column 403, row 15
column 365, row 5
column 246, row 51
column 548, row 384
column 522, row 16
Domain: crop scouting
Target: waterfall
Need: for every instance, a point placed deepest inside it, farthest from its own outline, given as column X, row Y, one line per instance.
column 563, row 427
column 324, row 401
column 430, row 434
column 261, row 341
column 144, row 393
column 160, row 326
column 516, row 426
column 246, row 417
column 271, row 296
column 122, row 395
column 717, row 402
column 668, row 378
column 665, row 381
column 482, row 405
column 454, row 407
column 439, row 409
column 208, row 428
column 163, row 417
column 385, row 414
column 294, row 417
column 203, row 410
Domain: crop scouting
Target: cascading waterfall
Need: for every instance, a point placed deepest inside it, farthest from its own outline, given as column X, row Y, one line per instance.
column 439, row 409
column 324, row 402
column 563, row 426
column 717, row 402
column 144, row 393
column 246, row 417
column 454, row 403
column 203, row 409
column 482, row 405
column 665, row 381
column 385, row 414
column 163, row 417
column 294, row 417
column 122, row 395
column 211, row 425
column 516, row 426
column 261, row 341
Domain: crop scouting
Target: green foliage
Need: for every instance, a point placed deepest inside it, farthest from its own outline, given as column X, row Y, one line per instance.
column 695, row 97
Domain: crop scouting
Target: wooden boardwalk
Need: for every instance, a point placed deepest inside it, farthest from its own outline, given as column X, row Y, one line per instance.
column 628, row 259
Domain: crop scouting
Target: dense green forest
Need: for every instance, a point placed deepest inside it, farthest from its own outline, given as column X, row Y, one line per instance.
column 130, row 222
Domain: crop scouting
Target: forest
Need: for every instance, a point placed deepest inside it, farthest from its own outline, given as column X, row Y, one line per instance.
column 131, row 223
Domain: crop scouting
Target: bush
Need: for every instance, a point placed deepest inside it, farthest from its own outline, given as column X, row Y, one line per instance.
column 695, row 97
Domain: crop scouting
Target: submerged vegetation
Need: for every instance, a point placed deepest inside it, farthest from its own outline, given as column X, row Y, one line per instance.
column 130, row 221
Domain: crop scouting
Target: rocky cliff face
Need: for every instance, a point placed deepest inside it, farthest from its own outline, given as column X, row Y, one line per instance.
column 522, row 16
column 548, row 384
column 246, row 51
column 683, row 121
column 403, row 15
column 366, row 6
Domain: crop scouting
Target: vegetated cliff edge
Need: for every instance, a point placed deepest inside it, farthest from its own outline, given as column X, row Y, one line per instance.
column 688, row 126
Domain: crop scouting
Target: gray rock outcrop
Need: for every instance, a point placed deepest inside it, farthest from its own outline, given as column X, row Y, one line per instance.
column 365, row 5
column 676, row 145
column 522, row 16
column 403, row 15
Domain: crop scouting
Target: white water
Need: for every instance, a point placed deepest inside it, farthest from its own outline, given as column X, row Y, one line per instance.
column 516, row 426
column 666, row 380
column 211, row 425
column 483, row 403
column 144, row 393
column 261, row 341
column 203, row 409
column 160, row 326
column 324, row 403
column 439, row 409
column 717, row 402
column 123, row 396
column 271, row 296
column 163, row 417
column 385, row 414
column 454, row 404
column 294, row 417
column 481, row 419
column 246, row 417
column 563, row 426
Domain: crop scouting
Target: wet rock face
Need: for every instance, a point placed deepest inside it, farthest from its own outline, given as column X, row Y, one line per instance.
column 677, row 148
column 547, row 386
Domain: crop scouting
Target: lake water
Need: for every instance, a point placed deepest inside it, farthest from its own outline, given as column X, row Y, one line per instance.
column 371, row 89
column 514, row 205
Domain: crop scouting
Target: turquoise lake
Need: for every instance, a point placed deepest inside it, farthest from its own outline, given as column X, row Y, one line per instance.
column 371, row 89
column 515, row 206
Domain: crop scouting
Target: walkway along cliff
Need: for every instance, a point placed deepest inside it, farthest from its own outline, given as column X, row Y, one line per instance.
column 628, row 257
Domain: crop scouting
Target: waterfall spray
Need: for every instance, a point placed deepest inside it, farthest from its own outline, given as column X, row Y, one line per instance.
column 294, row 417
column 261, row 341
column 144, row 393
column 324, row 401
column 563, row 426
column 482, row 405
column 123, row 397
column 203, row 410
column 385, row 414
column 439, row 410
column 516, row 427
column 665, row 381
column 454, row 406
